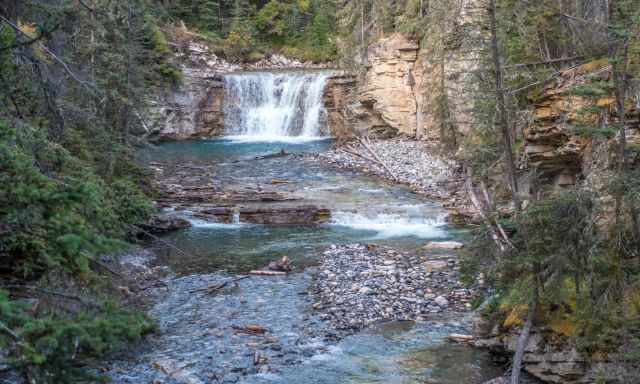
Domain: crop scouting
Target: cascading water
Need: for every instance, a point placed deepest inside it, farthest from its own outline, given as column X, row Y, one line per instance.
column 274, row 106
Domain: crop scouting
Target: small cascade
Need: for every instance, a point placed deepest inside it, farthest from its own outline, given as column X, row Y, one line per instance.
column 398, row 221
column 273, row 106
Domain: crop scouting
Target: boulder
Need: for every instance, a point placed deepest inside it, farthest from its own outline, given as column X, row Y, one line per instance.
column 161, row 224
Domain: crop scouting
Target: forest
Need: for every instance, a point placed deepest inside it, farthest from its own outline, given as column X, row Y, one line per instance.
column 80, row 81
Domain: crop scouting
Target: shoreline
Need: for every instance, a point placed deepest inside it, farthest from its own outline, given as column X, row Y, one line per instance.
column 417, row 165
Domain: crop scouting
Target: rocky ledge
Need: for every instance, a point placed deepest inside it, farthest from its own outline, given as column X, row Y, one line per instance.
column 358, row 285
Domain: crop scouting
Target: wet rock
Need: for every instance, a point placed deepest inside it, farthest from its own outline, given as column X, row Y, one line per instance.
column 161, row 224
column 297, row 215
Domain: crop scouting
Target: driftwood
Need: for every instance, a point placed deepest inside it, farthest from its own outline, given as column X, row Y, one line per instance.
column 498, row 234
column 268, row 273
column 351, row 151
column 365, row 144
column 282, row 265
column 216, row 287
column 281, row 181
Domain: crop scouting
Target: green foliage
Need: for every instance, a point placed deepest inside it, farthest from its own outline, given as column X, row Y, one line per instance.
column 274, row 18
column 248, row 30
column 56, row 211
column 608, row 131
column 51, row 348
column 583, row 289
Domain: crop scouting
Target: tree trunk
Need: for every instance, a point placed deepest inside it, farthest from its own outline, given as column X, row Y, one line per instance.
column 523, row 340
column 502, row 107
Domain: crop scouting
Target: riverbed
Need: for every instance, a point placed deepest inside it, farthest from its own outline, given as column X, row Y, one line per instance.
column 200, row 338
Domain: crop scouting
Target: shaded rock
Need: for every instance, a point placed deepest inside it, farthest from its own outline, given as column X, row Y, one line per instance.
column 161, row 224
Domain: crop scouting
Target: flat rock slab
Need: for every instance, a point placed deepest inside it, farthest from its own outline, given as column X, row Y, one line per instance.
column 272, row 215
column 300, row 215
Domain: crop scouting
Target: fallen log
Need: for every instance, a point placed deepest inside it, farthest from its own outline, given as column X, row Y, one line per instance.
column 216, row 287
column 267, row 273
column 281, row 181
column 375, row 156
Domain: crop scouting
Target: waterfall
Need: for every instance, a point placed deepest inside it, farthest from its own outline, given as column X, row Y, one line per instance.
column 274, row 106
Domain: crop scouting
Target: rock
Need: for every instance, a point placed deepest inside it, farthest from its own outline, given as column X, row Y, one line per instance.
column 296, row 215
column 443, row 245
column 358, row 285
column 442, row 302
column 364, row 291
column 435, row 265
column 161, row 224
column 283, row 265
column 387, row 100
column 177, row 372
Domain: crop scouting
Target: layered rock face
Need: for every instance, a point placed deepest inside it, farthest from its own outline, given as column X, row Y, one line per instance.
column 387, row 102
column 444, row 73
column 562, row 156
column 192, row 109
column 554, row 360
column 421, row 89
column 338, row 94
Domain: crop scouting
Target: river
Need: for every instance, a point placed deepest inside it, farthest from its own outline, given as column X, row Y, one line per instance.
column 197, row 341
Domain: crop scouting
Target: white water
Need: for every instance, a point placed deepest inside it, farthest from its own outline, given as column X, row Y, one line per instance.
column 388, row 225
column 268, row 106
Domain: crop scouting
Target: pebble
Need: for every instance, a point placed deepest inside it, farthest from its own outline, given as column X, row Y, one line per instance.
column 357, row 285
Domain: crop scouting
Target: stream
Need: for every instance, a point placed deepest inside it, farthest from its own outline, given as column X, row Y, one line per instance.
column 197, row 341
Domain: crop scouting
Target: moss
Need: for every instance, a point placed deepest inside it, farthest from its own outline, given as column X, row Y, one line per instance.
column 515, row 315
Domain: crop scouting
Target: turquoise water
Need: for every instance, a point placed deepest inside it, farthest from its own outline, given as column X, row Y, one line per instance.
column 363, row 209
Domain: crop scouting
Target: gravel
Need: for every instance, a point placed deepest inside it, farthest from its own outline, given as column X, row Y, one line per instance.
column 414, row 163
column 417, row 164
column 358, row 285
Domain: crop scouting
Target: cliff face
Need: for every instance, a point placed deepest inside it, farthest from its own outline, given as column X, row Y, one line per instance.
column 421, row 88
column 192, row 109
column 563, row 156
column 387, row 98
